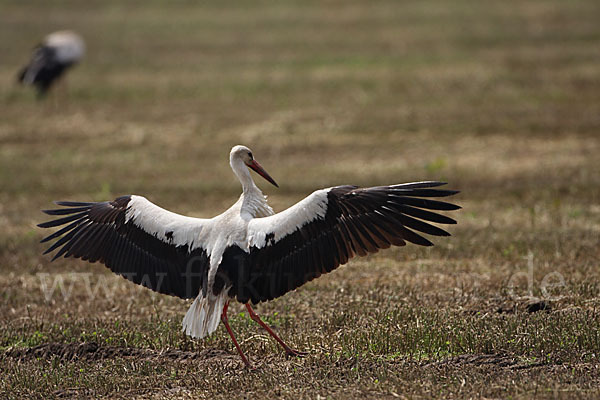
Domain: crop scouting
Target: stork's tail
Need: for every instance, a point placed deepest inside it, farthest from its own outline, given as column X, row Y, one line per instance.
column 204, row 315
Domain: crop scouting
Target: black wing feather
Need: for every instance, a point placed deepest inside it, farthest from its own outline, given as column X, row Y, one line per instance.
column 358, row 221
column 98, row 232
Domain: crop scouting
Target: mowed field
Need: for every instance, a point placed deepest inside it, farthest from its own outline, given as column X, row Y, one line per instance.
column 500, row 99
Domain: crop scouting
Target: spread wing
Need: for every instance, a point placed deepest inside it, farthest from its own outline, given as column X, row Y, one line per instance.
column 144, row 243
column 328, row 228
column 42, row 58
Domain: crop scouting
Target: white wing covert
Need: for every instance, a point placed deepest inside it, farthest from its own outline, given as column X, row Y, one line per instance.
column 133, row 237
column 329, row 227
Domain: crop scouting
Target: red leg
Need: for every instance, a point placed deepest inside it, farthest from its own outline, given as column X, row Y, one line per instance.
column 288, row 350
column 225, row 321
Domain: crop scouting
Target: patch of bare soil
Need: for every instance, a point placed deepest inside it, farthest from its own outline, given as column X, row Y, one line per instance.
column 93, row 351
column 530, row 306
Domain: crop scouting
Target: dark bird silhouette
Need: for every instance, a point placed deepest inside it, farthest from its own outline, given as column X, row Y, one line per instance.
column 56, row 54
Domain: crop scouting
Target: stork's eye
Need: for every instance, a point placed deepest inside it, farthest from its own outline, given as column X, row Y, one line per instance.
column 250, row 155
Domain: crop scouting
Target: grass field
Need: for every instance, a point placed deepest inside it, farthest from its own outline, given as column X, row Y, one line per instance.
column 500, row 99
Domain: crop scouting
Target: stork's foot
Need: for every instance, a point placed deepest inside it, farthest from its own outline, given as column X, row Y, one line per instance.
column 249, row 367
column 295, row 353
column 288, row 350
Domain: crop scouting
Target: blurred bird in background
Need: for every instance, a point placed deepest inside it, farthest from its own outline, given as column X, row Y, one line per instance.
column 57, row 53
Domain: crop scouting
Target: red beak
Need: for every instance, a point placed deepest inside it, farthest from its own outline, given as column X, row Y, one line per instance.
column 261, row 171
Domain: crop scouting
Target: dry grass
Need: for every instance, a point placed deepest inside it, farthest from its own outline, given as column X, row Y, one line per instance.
column 502, row 100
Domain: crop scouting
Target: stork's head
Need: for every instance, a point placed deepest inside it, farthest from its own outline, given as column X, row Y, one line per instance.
column 243, row 154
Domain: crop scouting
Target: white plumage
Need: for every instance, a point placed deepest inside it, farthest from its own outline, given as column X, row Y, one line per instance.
column 69, row 47
column 247, row 253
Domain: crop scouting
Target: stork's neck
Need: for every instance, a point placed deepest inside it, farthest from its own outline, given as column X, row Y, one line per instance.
column 243, row 173
column 252, row 202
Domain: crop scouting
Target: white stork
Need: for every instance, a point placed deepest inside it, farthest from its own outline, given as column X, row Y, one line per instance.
column 248, row 253
column 50, row 59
